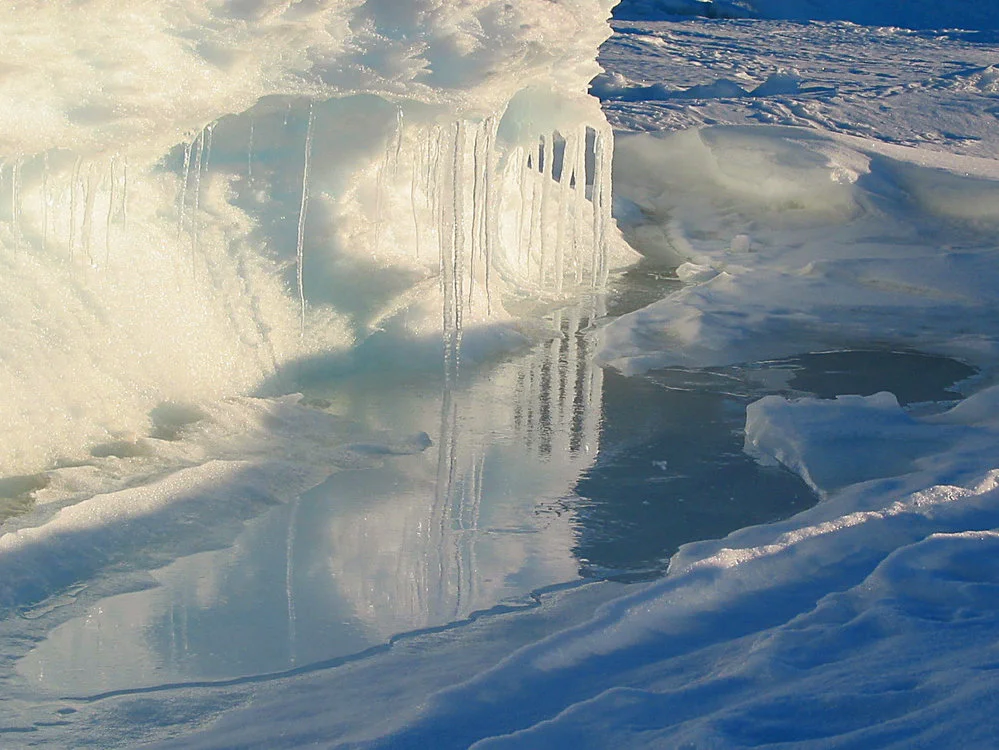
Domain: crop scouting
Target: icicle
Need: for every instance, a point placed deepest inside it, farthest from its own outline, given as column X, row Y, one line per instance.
column 523, row 173
column 435, row 184
column 596, row 200
column 300, row 246
column 88, row 210
column 447, row 249
column 489, row 209
column 199, row 145
column 477, row 191
column 183, row 189
column 45, row 201
column 414, row 178
column 249, row 155
column 74, row 181
column 209, row 137
column 530, row 178
column 432, row 144
column 458, row 195
column 15, row 201
column 543, row 188
column 433, row 174
column 446, row 219
column 541, row 204
column 107, row 222
column 124, row 193
column 549, row 181
column 398, row 140
column 579, row 201
column 605, row 155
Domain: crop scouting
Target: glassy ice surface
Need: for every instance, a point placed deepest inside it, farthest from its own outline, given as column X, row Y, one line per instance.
column 536, row 470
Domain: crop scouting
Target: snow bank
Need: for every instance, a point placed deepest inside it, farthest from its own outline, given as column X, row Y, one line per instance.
column 809, row 437
column 903, row 257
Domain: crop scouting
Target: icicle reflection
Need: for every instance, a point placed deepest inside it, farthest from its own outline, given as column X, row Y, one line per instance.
column 554, row 424
column 508, row 447
column 400, row 539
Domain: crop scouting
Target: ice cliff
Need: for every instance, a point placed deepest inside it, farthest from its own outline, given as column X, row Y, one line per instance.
column 197, row 197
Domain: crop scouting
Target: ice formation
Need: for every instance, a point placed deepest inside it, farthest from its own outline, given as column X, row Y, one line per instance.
column 197, row 195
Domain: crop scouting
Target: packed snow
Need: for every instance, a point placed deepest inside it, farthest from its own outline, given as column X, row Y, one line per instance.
column 339, row 411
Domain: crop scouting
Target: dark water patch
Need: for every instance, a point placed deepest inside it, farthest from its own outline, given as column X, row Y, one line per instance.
column 672, row 470
column 912, row 376
column 641, row 285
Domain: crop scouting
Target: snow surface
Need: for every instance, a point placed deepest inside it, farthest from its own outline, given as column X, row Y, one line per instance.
column 189, row 560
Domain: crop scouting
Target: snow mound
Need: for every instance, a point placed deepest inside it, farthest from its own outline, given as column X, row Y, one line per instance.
column 615, row 87
column 799, row 290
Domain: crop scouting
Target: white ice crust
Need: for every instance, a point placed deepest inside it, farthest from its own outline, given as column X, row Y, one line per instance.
column 113, row 76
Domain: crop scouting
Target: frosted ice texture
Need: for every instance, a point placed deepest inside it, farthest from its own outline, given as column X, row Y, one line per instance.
column 196, row 194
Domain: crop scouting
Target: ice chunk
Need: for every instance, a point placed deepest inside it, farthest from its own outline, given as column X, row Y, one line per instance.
column 197, row 198
column 839, row 442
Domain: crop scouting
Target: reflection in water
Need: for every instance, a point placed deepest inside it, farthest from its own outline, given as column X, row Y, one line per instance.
column 558, row 398
column 433, row 548
column 672, row 468
column 512, row 495
column 388, row 544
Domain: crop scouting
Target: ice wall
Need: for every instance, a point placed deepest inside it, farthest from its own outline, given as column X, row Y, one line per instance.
column 194, row 196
